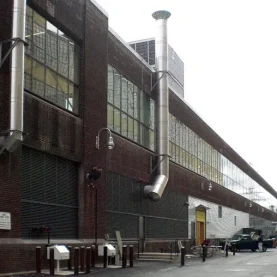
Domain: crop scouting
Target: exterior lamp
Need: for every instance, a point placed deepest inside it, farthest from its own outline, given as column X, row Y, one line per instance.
column 110, row 139
column 250, row 205
column 210, row 186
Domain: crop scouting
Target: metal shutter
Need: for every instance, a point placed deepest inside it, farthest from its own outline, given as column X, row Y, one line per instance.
column 49, row 195
column 167, row 218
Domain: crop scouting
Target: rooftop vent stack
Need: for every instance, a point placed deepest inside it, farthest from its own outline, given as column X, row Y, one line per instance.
column 17, row 72
column 154, row 191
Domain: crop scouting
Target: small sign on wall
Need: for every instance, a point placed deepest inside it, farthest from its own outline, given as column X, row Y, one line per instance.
column 5, row 221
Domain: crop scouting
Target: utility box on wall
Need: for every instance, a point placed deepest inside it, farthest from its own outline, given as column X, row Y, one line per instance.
column 60, row 252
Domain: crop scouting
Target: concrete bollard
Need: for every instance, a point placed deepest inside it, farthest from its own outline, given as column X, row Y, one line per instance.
column 38, row 260
column 105, row 257
column 51, row 262
column 69, row 262
column 93, row 255
column 204, row 253
column 88, row 258
column 76, row 261
column 131, row 255
column 183, row 252
column 124, row 256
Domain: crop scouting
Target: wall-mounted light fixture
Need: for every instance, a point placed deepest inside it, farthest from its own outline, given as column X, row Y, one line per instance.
column 110, row 139
column 250, row 205
column 210, row 186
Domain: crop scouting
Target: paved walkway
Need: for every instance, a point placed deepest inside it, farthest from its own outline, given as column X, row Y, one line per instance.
column 243, row 264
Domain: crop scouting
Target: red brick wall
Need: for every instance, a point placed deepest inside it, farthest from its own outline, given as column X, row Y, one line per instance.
column 94, row 110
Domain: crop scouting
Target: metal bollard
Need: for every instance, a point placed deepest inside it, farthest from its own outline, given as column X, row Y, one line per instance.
column 204, row 253
column 76, row 261
column 69, row 261
column 124, row 256
column 226, row 250
column 88, row 254
column 82, row 259
column 183, row 252
column 93, row 255
column 131, row 255
column 38, row 261
column 105, row 257
column 51, row 262
column 234, row 249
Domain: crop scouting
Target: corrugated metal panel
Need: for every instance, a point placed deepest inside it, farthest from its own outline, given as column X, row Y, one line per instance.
column 224, row 227
column 49, row 189
column 164, row 219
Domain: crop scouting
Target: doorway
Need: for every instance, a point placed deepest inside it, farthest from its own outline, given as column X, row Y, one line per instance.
column 200, row 225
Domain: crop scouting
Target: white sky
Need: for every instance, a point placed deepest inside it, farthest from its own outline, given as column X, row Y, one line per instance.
column 229, row 48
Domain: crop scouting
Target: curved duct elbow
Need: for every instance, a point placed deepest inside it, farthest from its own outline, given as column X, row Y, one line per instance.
column 155, row 191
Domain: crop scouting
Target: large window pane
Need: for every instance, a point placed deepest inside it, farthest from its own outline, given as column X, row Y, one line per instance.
column 63, row 54
column 117, row 121
column 110, row 117
column 110, row 84
column 152, row 140
column 62, row 92
column 124, row 125
column 130, row 98
column 152, row 114
column 28, row 73
column 117, row 88
column 136, row 102
column 38, row 82
column 29, row 30
column 72, row 55
column 73, row 98
column 51, row 86
column 51, row 46
column 136, row 131
column 130, row 128
column 124, row 95
column 39, row 24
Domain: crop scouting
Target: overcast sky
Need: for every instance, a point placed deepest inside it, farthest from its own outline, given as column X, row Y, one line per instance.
column 229, row 48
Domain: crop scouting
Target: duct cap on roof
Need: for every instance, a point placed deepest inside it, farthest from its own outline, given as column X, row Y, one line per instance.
column 161, row 14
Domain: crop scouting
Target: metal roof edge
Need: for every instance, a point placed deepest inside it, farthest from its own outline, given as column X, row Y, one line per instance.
column 99, row 7
column 115, row 34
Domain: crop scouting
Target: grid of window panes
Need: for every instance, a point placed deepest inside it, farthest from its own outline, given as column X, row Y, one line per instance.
column 192, row 152
column 51, row 63
column 131, row 111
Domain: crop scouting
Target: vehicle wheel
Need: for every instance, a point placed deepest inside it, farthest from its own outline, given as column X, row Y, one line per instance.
column 253, row 250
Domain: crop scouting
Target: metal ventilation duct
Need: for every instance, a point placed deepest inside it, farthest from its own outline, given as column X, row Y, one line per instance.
column 154, row 192
column 17, row 75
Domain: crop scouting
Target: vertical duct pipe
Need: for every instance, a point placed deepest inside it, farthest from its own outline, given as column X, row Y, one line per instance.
column 154, row 192
column 17, row 72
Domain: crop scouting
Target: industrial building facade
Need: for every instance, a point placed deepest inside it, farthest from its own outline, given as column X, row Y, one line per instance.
column 80, row 77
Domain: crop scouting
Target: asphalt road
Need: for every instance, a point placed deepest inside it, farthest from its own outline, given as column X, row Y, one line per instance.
column 243, row 264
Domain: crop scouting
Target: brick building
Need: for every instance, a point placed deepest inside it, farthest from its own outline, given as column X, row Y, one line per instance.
column 80, row 77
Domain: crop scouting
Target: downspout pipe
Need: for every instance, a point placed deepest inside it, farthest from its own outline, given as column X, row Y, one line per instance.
column 155, row 190
column 17, row 73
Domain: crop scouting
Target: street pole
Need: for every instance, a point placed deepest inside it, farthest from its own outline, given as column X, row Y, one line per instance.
column 95, row 213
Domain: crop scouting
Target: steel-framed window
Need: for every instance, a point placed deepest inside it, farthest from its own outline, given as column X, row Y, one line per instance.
column 51, row 63
column 131, row 111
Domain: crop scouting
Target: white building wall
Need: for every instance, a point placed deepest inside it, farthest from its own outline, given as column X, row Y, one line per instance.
column 216, row 227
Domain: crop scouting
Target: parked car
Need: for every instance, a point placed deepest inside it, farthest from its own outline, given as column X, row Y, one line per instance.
column 246, row 242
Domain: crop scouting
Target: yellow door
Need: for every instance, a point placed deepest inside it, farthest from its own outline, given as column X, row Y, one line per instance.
column 200, row 226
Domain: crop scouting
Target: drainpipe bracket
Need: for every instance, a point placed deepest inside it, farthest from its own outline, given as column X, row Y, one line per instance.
column 14, row 41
